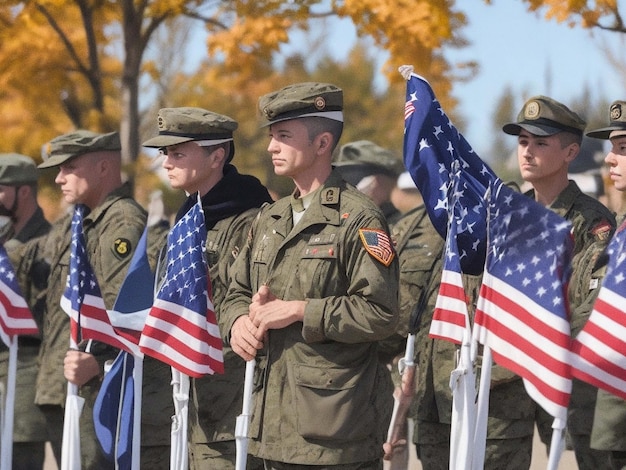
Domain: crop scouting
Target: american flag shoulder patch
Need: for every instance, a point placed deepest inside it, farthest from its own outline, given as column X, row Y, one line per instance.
column 377, row 243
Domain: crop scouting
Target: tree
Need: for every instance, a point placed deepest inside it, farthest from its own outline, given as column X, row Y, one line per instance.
column 79, row 63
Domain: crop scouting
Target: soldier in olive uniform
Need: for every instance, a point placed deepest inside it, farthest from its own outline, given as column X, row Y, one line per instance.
column 548, row 139
column 609, row 421
column 199, row 148
column 18, row 201
column 312, row 293
column 373, row 170
column 89, row 173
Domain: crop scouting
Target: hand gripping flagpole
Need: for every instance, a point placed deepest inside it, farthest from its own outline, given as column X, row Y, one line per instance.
column 243, row 420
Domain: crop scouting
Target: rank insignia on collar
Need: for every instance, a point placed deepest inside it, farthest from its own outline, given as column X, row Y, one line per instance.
column 377, row 244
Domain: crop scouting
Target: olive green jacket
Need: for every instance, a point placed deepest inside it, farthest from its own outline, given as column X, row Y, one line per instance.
column 112, row 231
column 320, row 396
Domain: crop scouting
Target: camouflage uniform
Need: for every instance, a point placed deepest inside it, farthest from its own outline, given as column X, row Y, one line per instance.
column 609, row 421
column 109, row 244
column 314, row 380
column 229, row 207
column 592, row 227
column 29, row 442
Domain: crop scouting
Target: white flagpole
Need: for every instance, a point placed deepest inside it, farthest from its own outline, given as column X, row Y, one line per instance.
column 179, row 460
column 557, row 444
column 480, row 435
column 243, row 420
column 6, row 449
column 138, row 386
column 463, row 385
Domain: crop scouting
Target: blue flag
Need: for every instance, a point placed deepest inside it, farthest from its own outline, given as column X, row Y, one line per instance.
column 114, row 409
column 431, row 145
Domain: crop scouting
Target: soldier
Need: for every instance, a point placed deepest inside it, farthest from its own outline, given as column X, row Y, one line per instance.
column 373, row 170
column 312, row 293
column 549, row 136
column 198, row 148
column 18, row 201
column 89, row 173
column 609, row 421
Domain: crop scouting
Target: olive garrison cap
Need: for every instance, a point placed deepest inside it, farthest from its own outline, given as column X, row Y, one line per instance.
column 302, row 100
column 186, row 124
column 617, row 122
column 16, row 169
column 77, row 143
column 544, row 116
column 362, row 158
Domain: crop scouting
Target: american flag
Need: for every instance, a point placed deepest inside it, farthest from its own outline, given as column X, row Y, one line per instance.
column 15, row 316
column 377, row 244
column 522, row 312
column 599, row 350
column 450, row 317
column 431, row 145
column 82, row 299
column 181, row 329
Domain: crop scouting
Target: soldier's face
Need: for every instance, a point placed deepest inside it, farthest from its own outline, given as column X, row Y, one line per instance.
column 616, row 161
column 8, row 200
column 79, row 180
column 291, row 149
column 193, row 168
column 542, row 157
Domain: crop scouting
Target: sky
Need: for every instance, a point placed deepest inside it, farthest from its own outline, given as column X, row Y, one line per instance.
column 513, row 48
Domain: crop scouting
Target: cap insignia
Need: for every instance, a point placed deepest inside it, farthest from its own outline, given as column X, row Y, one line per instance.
column 532, row 110
column 320, row 103
column 616, row 112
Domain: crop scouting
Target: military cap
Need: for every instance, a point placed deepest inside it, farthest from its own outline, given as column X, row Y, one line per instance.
column 544, row 116
column 302, row 100
column 16, row 169
column 77, row 143
column 617, row 122
column 362, row 158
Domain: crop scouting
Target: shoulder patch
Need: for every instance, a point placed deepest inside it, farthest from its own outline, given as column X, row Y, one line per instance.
column 602, row 231
column 377, row 243
column 122, row 247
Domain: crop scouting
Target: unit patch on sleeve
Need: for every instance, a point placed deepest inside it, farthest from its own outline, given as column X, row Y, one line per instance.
column 122, row 247
column 377, row 244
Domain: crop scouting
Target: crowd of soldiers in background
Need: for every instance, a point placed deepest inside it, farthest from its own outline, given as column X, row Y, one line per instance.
column 198, row 155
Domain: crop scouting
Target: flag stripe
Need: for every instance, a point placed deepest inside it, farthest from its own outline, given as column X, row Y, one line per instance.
column 15, row 316
column 449, row 317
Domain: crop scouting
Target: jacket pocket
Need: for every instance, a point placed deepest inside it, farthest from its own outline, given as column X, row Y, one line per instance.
column 330, row 405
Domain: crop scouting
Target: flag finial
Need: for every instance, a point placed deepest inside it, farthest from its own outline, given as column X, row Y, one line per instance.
column 406, row 71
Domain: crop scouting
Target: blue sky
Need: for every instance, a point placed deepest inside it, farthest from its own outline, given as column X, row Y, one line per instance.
column 513, row 48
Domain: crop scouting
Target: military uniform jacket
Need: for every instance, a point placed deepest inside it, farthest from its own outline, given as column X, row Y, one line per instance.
column 111, row 231
column 28, row 427
column 320, row 395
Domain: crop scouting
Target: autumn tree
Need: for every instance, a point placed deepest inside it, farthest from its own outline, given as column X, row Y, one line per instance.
column 79, row 63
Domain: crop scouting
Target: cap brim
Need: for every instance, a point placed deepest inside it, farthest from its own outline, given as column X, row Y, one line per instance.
column 166, row 140
column 514, row 129
column 56, row 160
column 604, row 132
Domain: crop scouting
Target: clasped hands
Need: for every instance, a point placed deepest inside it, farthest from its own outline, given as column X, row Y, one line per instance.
column 266, row 312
